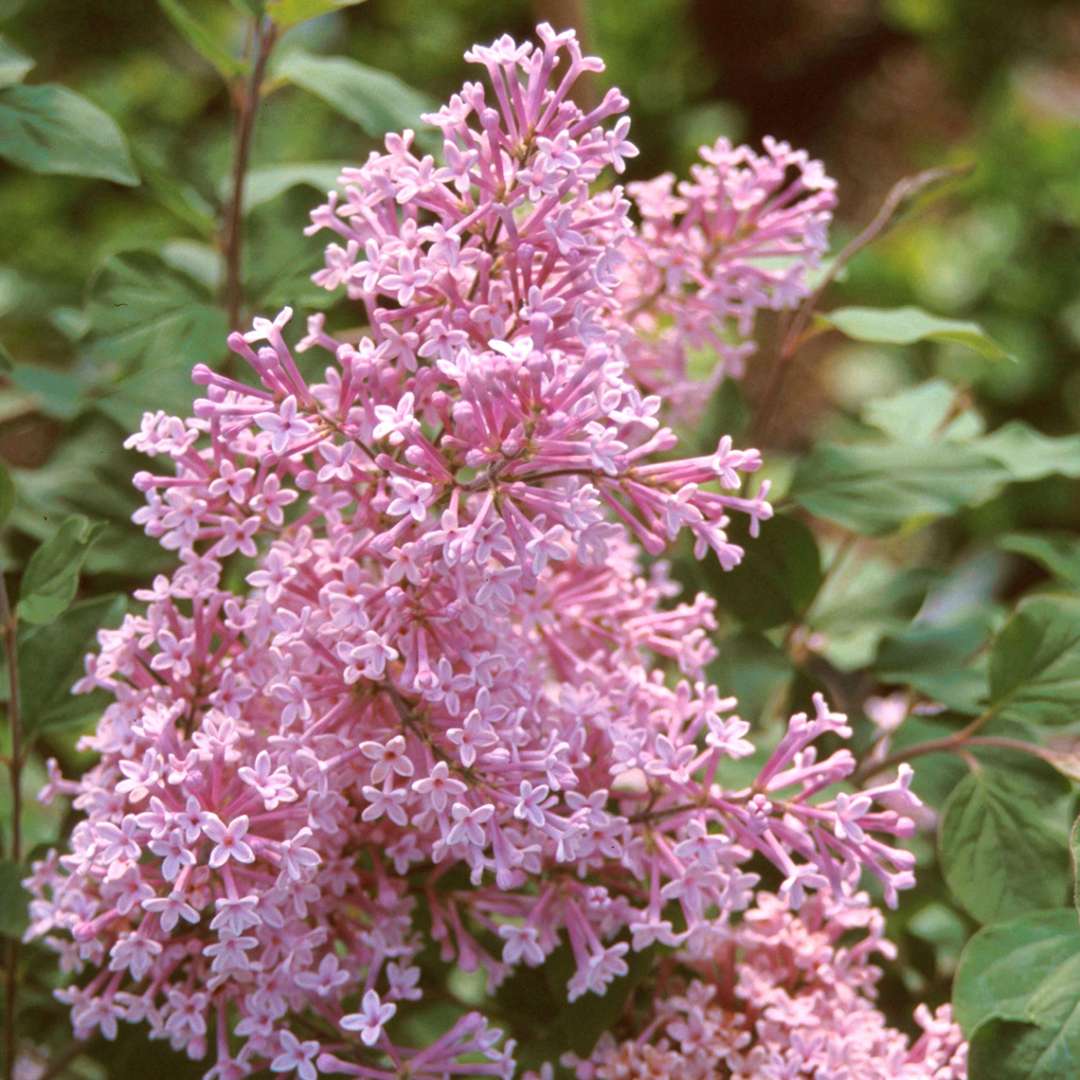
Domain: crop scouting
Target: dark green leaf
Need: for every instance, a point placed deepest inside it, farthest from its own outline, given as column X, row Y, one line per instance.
column 875, row 489
column 1057, row 552
column 1035, row 662
column 778, row 577
column 51, row 660
column 908, row 325
column 288, row 13
column 51, row 578
column 999, row 854
column 14, row 899
column 202, row 40
column 375, row 100
column 13, row 64
column 1005, row 1050
column 50, row 129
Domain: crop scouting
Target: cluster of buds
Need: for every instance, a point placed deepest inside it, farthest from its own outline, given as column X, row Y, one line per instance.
column 412, row 681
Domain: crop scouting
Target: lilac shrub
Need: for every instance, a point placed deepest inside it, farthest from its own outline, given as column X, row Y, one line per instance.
column 414, row 679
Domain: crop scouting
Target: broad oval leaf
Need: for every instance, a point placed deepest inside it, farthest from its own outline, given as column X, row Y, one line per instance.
column 999, row 855
column 908, row 325
column 877, row 488
column 1035, row 662
column 50, row 129
column 375, row 100
column 51, row 578
column 1005, row 967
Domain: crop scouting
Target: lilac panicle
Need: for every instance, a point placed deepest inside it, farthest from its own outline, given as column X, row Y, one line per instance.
column 411, row 680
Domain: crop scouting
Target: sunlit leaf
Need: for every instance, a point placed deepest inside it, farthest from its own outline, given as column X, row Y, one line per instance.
column 14, row 65
column 288, row 13
column 908, row 325
column 50, row 129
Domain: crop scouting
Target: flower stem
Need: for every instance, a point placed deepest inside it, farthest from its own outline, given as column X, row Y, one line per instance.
column 8, row 628
column 248, row 105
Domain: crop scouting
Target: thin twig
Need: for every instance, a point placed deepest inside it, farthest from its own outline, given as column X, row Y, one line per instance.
column 233, row 242
column 931, row 746
column 900, row 197
column 11, row 961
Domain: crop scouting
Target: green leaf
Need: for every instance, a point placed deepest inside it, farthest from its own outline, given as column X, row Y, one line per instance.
column 778, row 577
column 58, row 393
column 939, row 661
column 1035, row 662
column 51, row 660
column 1058, row 552
column 51, row 578
column 908, row 325
column 1027, row 454
column 14, row 65
column 288, row 13
column 14, row 899
column 863, row 600
column 878, row 488
column 1005, row 967
column 203, row 41
column 142, row 309
column 999, row 855
column 265, row 184
column 923, row 413
column 375, row 100
column 50, row 129
column 1005, row 1050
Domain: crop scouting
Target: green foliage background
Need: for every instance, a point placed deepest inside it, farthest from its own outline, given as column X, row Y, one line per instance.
column 908, row 535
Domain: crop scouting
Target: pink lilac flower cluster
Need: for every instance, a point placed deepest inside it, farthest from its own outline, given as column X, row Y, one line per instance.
column 745, row 233
column 411, row 682
column 783, row 995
